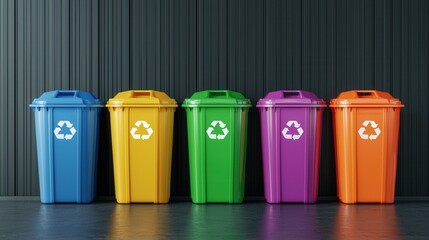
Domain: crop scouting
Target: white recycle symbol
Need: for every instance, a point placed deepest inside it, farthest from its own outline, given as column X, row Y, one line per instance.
column 294, row 136
column 218, row 136
column 374, row 125
column 142, row 136
column 69, row 125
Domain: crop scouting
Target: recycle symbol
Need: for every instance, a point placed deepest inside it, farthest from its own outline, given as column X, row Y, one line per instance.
column 374, row 125
column 69, row 125
column 297, row 126
column 218, row 136
column 141, row 136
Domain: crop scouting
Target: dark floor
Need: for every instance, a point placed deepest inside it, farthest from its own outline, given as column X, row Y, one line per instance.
column 184, row 220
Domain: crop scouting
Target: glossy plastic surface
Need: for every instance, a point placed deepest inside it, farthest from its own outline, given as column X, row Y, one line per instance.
column 366, row 128
column 290, row 157
column 142, row 139
column 217, row 135
column 67, row 127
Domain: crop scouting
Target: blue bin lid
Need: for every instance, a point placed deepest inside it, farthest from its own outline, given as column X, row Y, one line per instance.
column 291, row 98
column 66, row 98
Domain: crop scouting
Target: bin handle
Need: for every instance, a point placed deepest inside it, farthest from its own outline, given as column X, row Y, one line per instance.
column 217, row 93
column 142, row 93
column 366, row 93
column 291, row 93
column 66, row 93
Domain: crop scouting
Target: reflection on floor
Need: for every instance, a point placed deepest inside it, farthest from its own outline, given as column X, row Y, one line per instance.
column 184, row 220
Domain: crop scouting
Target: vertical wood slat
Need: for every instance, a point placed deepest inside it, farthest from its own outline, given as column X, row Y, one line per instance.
column 7, row 72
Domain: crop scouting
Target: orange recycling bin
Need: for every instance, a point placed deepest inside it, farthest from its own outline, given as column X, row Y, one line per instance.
column 366, row 128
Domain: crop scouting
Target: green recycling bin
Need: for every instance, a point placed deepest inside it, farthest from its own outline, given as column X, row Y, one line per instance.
column 217, row 138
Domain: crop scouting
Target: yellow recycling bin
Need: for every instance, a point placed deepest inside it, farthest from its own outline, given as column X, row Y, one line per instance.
column 142, row 139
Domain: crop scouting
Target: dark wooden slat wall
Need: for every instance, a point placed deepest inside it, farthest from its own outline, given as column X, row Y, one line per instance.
column 44, row 45
column 180, row 47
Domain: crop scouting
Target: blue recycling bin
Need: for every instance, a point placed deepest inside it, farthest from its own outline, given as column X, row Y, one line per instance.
column 67, row 126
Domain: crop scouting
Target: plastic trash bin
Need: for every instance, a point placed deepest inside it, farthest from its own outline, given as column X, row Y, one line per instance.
column 366, row 128
column 217, row 136
column 142, row 141
column 67, row 126
column 291, row 123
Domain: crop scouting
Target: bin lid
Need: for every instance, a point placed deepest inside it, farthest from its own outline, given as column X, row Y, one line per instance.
column 141, row 98
column 365, row 98
column 66, row 98
column 291, row 98
column 217, row 98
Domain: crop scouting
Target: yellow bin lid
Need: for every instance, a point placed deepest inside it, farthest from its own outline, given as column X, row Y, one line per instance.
column 141, row 98
column 365, row 98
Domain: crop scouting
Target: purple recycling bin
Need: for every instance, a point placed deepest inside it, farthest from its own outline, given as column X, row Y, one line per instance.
column 291, row 122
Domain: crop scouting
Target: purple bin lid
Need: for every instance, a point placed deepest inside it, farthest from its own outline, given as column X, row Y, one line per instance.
column 291, row 98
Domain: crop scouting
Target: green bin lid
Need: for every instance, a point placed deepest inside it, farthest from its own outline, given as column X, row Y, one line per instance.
column 141, row 98
column 66, row 98
column 217, row 98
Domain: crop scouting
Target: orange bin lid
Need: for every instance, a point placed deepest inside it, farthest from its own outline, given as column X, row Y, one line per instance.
column 365, row 98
